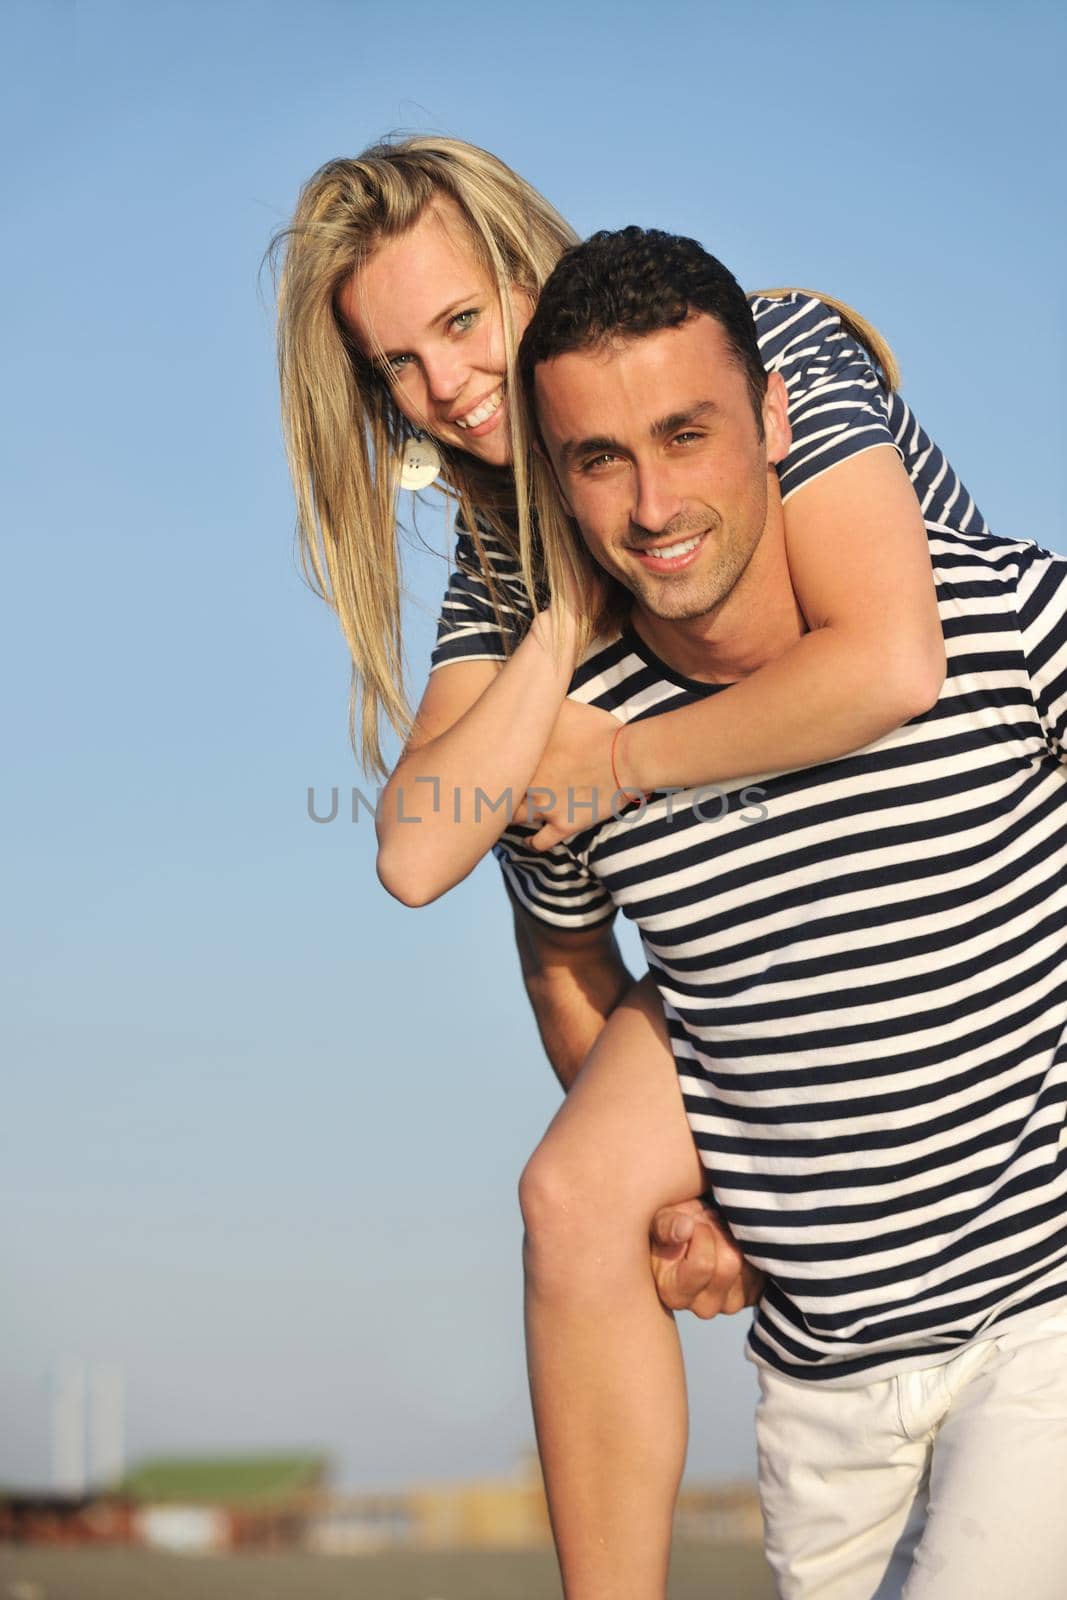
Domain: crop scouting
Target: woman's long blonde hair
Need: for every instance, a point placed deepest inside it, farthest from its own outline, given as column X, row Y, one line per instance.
column 344, row 434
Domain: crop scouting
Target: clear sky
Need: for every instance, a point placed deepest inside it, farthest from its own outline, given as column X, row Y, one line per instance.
column 261, row 1126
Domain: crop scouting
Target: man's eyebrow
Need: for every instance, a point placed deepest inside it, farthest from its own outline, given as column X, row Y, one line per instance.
column 463, row 303
column 702, row 411
column 605, row 443
column 599, row 444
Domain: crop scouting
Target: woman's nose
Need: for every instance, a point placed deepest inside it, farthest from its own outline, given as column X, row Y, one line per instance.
column 446, row 373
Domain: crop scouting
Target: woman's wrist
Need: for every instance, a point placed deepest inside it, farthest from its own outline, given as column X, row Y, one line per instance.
column 624, row 769
column 557, row 634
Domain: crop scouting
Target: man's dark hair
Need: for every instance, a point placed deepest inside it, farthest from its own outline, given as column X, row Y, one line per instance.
column 633, row 282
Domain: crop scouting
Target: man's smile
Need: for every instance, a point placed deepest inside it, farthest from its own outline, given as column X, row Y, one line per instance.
column 672, row 556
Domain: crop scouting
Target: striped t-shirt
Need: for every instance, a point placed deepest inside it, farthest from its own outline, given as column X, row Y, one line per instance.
column 863, row 970
column 837, row 409
column 861, row 963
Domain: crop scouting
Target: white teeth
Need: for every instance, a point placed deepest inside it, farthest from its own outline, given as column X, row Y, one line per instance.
column 483, row 412
column 670, row 552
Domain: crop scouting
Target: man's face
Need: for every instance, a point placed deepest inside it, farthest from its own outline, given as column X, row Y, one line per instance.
column 657, row 451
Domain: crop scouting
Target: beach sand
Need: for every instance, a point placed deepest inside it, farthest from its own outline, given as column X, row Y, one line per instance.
column 699, row 1572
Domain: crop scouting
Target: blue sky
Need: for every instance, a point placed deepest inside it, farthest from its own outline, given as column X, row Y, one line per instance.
column 262, row 1126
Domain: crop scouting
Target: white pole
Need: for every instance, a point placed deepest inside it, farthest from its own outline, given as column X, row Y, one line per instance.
column 106, row 1426
column 68, row 1428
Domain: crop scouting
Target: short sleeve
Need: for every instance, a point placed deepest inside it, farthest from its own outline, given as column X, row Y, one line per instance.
column 1042, row 607
column 470, row 627
column 552, row 885
column 837, row 406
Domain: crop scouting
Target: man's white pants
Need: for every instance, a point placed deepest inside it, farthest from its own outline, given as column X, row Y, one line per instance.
column 944, row 1484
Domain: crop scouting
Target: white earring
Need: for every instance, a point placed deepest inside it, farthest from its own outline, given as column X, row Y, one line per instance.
column 420, row 462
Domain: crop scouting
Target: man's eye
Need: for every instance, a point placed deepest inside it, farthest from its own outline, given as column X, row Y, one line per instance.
column 605, row 459
column 687, row 437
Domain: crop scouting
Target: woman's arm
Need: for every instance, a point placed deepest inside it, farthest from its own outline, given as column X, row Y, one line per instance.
column 479, row 732
column 874, row 657
column 860, row 565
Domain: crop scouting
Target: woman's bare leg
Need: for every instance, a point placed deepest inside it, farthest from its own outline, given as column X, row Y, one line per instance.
column 605, row 1364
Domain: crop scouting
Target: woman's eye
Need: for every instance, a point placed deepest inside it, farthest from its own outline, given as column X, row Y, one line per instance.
column 396, row 364
column 464, row 320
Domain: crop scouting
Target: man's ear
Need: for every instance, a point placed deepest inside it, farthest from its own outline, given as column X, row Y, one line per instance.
column 546, row 459
column 777, row 434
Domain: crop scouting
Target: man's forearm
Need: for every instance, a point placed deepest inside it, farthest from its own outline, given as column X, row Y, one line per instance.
column 570, row 1018
column 572, row 996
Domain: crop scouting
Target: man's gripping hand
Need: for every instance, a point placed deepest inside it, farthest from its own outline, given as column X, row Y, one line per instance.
column 697, row 1265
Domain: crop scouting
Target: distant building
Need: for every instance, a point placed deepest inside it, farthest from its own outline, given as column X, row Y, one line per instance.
column 215, row 1503
column 486, row 1513
column 50, row 1517
column 727, row 1511
column 502, row 1514
column 224, row 1502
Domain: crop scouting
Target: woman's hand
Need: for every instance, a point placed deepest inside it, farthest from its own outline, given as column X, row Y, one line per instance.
column 574, row 786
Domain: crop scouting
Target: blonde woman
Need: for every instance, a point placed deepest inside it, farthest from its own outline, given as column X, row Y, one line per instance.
column 408, row 277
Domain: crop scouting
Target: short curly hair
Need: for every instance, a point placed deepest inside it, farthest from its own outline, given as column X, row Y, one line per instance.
column 633, row 282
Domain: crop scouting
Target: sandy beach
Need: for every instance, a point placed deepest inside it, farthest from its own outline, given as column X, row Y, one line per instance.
column 700, row 1572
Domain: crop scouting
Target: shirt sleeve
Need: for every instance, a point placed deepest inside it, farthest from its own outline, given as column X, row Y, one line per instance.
column 1042, row 606
column 552, row 885
column 837, row 406
column 471, row 627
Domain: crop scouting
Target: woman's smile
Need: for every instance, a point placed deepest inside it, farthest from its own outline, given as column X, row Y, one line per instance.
column 476, row 421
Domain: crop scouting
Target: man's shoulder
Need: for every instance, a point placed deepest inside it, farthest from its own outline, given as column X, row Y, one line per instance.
column 621, row 674
column 604, row 657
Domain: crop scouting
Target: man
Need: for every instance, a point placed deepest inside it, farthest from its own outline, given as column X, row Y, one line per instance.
column 862, row 965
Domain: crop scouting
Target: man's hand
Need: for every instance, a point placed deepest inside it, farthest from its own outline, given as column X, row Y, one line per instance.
column 697, row 1265
column 576, row 770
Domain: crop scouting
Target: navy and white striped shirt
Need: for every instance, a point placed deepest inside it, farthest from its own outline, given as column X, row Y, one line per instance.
column 863, row 970
column 862, row 963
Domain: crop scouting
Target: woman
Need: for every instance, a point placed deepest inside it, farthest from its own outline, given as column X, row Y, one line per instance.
column 409, row 277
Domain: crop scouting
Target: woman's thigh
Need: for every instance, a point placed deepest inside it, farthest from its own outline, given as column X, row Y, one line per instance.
column 622, row 1133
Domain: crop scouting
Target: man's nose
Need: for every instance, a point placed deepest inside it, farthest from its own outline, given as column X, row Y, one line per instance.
column 657, row 501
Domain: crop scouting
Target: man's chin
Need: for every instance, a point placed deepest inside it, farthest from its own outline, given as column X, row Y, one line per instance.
column 669, row 604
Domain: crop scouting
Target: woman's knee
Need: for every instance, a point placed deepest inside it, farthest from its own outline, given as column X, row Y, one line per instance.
column 559, row 1194
column 572, row 1210
column 550, row 1192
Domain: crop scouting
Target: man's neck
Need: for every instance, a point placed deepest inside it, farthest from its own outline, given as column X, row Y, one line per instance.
column 759, row 619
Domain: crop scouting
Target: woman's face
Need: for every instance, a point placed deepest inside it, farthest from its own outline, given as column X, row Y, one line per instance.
column 426, row 301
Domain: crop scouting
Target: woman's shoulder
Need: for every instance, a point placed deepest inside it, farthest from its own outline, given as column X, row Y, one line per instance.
column 479, row 543
column 794, row 327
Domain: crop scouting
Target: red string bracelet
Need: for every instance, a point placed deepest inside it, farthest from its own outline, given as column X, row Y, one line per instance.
column 614, row 769
column 630, row 793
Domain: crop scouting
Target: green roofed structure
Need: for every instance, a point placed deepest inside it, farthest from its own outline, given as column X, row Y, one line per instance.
column 253, row 1481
